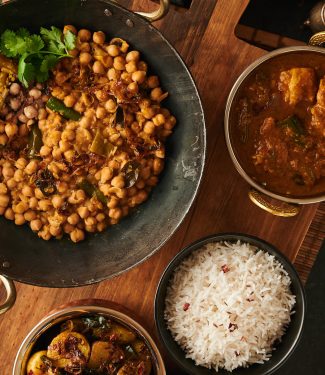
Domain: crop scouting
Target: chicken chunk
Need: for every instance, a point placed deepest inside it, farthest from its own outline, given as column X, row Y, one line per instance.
column 318, row 111
column 298, row 84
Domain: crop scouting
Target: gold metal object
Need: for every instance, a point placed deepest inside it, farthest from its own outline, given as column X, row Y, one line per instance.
column 156, row 14
column 11, row 294
column 317, row 39
column 76, row 309
column 281, row 209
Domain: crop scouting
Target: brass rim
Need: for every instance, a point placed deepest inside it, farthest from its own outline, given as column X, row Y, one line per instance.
column 284, row 210
column 317, row 39
column 11, row 294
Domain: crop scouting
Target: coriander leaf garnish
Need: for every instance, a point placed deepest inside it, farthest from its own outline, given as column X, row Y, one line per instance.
column 37, row 54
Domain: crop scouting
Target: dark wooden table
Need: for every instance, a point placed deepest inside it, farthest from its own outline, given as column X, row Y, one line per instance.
column 204, row 36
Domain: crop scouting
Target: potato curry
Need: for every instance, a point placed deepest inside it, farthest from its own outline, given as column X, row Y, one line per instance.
column 279, row 125
column 91, row 345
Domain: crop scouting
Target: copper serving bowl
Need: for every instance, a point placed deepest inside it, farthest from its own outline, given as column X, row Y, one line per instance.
column 275, row 203
column 82, row 308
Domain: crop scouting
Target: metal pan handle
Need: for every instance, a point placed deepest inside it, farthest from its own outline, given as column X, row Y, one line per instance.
column 282, row 209
column 156, row 14
column 11, row 294
column 317, row 39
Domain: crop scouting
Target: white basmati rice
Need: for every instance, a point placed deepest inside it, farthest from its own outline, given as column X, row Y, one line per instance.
column 227, row 304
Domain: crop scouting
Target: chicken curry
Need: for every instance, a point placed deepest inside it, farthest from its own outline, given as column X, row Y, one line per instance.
column 278, row 127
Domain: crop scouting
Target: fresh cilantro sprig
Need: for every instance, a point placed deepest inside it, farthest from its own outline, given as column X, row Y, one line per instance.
column 37, row 54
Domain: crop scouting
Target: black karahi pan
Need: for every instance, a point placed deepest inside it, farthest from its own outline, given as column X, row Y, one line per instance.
column 26, row 258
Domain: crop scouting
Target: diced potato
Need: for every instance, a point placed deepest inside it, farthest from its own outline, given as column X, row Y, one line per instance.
column 35, row 365
column 101, row 351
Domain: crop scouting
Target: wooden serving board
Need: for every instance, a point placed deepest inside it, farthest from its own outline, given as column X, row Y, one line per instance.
column 204, row 36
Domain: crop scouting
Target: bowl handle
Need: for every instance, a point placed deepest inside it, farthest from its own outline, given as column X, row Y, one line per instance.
column 283, row 209
column 156, row 14
column 11, row 294
column 317, row 39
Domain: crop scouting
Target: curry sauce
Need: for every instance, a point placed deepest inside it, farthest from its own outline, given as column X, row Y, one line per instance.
column 278, row 126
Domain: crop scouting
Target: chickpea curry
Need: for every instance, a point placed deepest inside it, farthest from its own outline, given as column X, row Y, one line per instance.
column 278, row 128
column 81, row 135
column 91, row 345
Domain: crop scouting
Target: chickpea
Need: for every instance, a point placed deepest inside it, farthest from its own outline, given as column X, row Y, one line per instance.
column 115, row 213
column 85, row 122
column 55, row 230
column 3, row 188
column 113, row 50
column 90, row 221
column 100, row 217
column 38, row 193
column 73, row 219
column 77, row 235
column 56, row 153
column 9, row 214
column 113, row 75
column 19, row 219
column 11, row 183
column 11, row 130
column 133, row 56
column 31, row 167
column 98, row 68
column 45, row 233
column 69, row 28
column 106, row 175
column 99, row 37
column 119, row 63
column 110, row 105
column 57, row 201
column 90, row 228
column 159, row 119
column 4, row 200
column 33, row 203
column 14, row 89
column 156, row 93
column 83, row 212
column 153, row 82
column 101, row 226
column 7, row 172
column 139, row 76
column 45, row 151
column 84, row 35
column 113, row 202
column 142, row 66
column 133, row 87
column 64, row 146
column 35, row 225
column 69, row 101
column 15, row 104
column 21, row 163
column 160, row 153
column 42, row 114
column 35, row 93
column 69, row 155
column 85, row 58
column 20, row 208
column 149, row 127
column 131, row 67
column 158, row 166
column 101, row 112
column 27, row 191
column 102, row 95
column 44, row 204
column 23, row 130
column 30, row 112
column 118, row 181
column 29, row 215
column 140, row 184
column 149, row 112
column 3, row 139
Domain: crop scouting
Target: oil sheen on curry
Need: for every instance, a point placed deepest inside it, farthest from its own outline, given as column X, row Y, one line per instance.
column 279, row 126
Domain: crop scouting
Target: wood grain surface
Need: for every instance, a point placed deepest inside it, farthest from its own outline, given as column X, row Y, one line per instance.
column 204, row 36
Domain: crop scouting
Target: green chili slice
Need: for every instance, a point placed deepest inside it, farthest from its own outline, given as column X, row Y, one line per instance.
column 35, row 142
column 92, row 191
column 57, row 105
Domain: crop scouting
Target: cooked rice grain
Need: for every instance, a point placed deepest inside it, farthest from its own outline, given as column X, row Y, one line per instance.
column 227, row 304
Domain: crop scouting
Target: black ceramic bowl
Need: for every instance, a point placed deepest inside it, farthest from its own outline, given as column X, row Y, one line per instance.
column 289, row 340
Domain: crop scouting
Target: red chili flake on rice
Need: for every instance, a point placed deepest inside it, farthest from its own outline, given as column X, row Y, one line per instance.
column 225, row 268
column 186, row 306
